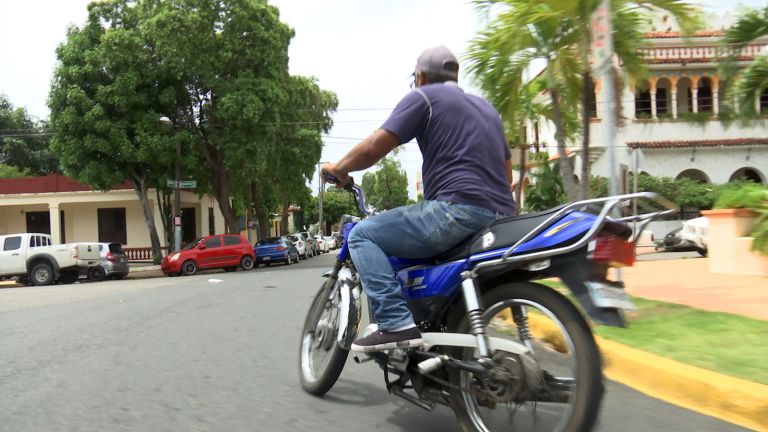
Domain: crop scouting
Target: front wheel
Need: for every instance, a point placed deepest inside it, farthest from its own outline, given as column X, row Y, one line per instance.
column 556, row 388
column 321, row 359
column 189, row 268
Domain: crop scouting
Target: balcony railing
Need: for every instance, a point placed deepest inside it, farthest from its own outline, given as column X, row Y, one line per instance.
column 139, row 254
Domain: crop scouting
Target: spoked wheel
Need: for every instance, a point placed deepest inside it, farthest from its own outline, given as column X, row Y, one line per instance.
column 556, row 388
column 321, row 359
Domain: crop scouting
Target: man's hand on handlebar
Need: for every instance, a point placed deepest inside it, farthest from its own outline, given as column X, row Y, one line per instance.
column 332, row 174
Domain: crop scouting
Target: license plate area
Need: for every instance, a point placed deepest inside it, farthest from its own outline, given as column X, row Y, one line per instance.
column 607, row 294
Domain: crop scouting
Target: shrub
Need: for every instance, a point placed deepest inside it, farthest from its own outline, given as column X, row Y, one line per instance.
column 750, row 196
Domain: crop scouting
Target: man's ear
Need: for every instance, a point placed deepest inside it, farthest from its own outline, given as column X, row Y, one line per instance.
column 420, row 79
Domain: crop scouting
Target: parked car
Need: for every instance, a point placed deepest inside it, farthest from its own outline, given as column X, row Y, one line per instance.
column 312, row 243
column 275, row 249
column 113, row 263
column 322, row 245
column 300, row 244
column 227, row 251
column 331, row 242
column 692, row 236
column 34, row 260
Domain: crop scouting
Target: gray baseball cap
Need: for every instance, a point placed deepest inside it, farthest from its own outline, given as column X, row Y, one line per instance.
column 438, row 61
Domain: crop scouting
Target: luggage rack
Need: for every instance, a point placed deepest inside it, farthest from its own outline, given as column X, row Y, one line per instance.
column 607, row 205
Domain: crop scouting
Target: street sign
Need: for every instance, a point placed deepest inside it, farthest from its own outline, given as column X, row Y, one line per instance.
column 183, row 184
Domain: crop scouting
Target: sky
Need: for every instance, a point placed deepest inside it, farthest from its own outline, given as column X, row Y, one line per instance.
column 363, row 50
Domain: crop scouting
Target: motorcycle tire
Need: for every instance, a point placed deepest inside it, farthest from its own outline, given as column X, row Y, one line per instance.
column 584, row 401
column 319, row 382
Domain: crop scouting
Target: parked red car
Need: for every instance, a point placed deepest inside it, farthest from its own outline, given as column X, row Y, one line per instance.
column 227, row 251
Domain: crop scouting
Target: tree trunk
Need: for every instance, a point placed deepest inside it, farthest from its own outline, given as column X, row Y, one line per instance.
column 284, row 219
column 140, row 186
column 585, row 135
column 566, row 167
column 263, row 224
column 220, row 181
column 521, row 182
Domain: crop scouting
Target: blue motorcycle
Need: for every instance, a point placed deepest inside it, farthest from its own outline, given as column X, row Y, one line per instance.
column 500, row 350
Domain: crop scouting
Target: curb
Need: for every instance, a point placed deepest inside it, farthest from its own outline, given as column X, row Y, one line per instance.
column 734, row 400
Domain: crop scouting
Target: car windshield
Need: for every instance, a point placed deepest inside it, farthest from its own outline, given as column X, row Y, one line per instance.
column 192, row 244
column 293, row 238
column 269, row 241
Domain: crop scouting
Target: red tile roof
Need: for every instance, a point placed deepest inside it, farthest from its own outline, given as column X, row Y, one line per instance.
column 701, row 143
column 677, row 34
column 47, row 184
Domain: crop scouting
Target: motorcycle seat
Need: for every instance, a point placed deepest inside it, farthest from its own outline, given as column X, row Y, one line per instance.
column 506, row 232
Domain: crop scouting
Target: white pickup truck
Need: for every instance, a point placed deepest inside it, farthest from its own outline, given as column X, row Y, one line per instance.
column 34, row 259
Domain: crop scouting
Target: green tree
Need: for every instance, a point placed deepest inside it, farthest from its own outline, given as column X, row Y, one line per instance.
column 547, row 189
column 107, row 95
column 24, row 143
column 231, row 62
column 558, row 32
column 387, row 187
column 336, row 203
column 752, row 81
column 7, row 171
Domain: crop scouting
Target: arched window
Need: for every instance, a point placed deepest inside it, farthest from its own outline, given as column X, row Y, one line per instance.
column 663, row 98
column 684, row 101
column 705, row 95
column 694, row 174
column 748, row 173
column 642, row 100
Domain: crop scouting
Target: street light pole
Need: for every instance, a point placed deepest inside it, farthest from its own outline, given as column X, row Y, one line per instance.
column 177, row 190
column 177, row 201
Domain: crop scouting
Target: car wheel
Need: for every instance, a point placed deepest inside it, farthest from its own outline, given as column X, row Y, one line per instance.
column 96, row 274
column 246, row 262
column 42, row 274
column 68, row 277
column 189, row 268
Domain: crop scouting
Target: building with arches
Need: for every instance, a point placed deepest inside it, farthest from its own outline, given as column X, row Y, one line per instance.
column 675, row 120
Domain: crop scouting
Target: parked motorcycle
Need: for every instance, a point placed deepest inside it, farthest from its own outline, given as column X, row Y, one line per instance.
column 500, row 350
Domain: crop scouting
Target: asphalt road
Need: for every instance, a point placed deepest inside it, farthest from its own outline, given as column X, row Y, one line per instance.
column 212, row 352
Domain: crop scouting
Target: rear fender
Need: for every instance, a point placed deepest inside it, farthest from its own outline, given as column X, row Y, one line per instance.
column 574, row 269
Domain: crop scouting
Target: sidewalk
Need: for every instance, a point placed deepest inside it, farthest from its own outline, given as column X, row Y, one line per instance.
column 689, row 282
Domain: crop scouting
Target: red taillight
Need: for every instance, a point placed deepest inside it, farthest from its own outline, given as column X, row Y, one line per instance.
column 614, row 251
column 110, row 257
column 280, row 248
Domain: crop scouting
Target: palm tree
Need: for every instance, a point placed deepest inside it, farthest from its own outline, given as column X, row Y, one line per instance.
column 559, row 31
column 503, row 54
column 753, row 80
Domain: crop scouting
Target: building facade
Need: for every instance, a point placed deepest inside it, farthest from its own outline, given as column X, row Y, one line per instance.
column 674, row 121
column 72, row 212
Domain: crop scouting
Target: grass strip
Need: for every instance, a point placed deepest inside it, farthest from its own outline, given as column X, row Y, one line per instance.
column 725, row 343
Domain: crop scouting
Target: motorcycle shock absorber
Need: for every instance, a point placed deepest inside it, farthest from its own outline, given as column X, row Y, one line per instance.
column 474, row 313
column 520, row 316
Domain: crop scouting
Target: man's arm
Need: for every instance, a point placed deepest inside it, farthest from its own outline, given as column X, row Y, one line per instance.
column 363, row 155
column 509, row 171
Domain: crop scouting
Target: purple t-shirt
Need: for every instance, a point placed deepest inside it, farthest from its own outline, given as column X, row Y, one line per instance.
column 462, row 142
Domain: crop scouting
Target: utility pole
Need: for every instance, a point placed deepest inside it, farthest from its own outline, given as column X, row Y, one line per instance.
column 321, row 189
column 602, row 52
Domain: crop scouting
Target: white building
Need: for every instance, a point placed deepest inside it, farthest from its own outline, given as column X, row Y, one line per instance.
column 672, row 119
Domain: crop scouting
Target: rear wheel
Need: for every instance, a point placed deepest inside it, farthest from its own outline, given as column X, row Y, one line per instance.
column 189, row 268
column 556, row 388
column 321, row 359
column 246, row 262
column 97, row 273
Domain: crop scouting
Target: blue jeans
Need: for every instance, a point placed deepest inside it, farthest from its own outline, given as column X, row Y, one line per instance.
column 422, row 230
